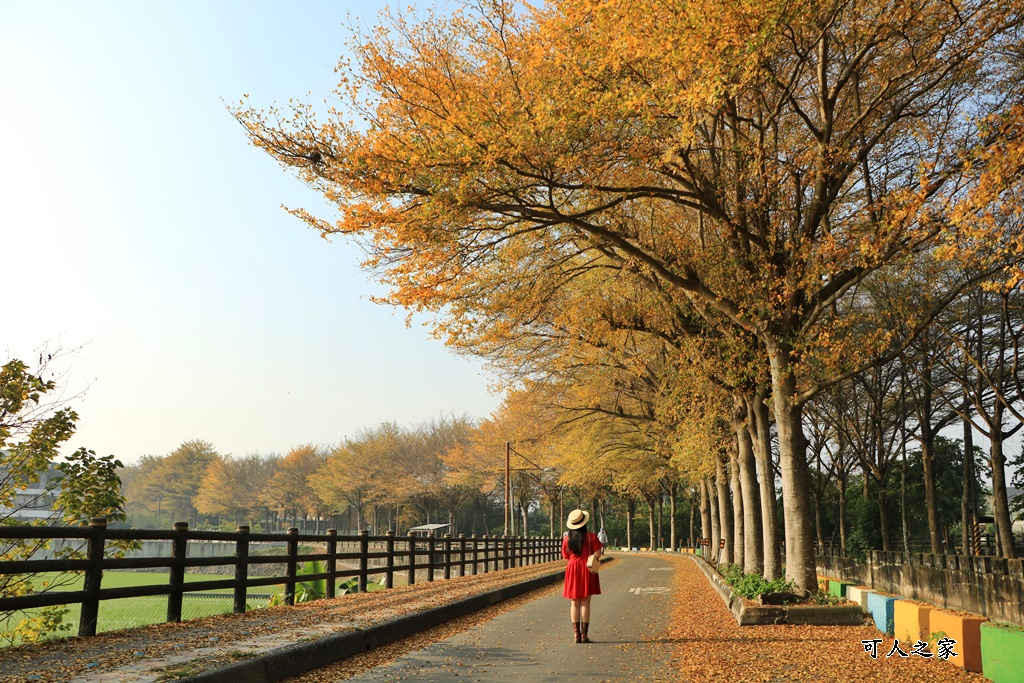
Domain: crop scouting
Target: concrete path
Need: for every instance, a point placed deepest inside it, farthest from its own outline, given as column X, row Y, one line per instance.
column 534, row 643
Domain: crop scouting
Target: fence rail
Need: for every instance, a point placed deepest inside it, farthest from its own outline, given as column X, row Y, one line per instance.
column 375, row 555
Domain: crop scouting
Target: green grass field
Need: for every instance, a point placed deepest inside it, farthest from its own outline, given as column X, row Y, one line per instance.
column 131, row 612
column 115, row 615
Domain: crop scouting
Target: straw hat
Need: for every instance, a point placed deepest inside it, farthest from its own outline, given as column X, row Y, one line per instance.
column 577, row 518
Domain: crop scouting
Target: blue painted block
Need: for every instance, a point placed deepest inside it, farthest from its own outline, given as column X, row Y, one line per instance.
column 882, row 609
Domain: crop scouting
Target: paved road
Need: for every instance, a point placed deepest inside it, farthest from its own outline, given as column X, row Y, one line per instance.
column 534, row 643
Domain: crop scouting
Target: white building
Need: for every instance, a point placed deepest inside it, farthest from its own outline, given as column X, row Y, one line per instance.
column 34, row 502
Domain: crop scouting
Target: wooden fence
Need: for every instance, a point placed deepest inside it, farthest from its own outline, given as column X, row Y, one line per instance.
column 461, row 556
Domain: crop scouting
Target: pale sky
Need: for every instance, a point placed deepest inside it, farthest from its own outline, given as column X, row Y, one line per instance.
column 136, row 220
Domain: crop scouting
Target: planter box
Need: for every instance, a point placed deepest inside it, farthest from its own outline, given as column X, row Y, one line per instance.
column 965, row 630
column 751, row 615
column 910, row 621
column 820, row 615
column 1002, row 653
column 858, row 594
column 881, row 608
column 757, row 616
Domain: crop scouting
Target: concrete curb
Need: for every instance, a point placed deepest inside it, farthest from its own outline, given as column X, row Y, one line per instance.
column 817, row 615
column 300, row 658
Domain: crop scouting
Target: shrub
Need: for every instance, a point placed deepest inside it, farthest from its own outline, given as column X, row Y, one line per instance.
column 752, row 585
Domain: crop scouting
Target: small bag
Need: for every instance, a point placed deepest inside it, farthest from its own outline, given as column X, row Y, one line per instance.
column 594, row 564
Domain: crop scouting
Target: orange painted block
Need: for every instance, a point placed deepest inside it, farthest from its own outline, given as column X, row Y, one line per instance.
column 962, row 627
column 911, row 621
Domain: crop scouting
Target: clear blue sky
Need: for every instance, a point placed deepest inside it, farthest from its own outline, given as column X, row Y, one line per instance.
column 136, row 219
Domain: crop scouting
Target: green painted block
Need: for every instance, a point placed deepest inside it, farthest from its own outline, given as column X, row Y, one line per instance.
column 838, row 588
column 1002, row 653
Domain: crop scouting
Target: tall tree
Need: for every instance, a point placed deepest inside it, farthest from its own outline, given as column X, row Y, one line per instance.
column 233, row 487
column 178, row 476
column 291, row 481
column 36, row 420
column 756, row 159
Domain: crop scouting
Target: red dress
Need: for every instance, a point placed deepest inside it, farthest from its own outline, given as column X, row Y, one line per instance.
column 579, row 582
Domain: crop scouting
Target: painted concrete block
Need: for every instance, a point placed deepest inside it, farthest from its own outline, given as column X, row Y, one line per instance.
column 965, row 629
column 858, row 594
column 881, row 608
column 838, row 588
column 910, row 621
column 1002, row 653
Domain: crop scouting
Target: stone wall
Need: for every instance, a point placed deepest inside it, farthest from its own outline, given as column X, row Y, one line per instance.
column 990, row 586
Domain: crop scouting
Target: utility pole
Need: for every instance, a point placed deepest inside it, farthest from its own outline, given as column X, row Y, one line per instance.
column 508, row 483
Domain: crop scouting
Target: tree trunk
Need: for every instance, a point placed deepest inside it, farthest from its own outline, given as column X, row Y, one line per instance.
column 630, row 512
column 760, row 433
column 661, row 516
column 724, row 511
column 737, row 508
column 883, row 517
column 903, row 501
column 819, row 521
column 966, row 510
column 753, row 540
column 800, row 565
column 841, row 484
column 1000, row 504
column 705, row 511
column 693, row 506
column 716, row 519
column 927, row 440
column 672, row 498
column 653, row 545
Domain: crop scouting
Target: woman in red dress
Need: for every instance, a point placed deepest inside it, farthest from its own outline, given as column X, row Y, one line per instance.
column 580, row 584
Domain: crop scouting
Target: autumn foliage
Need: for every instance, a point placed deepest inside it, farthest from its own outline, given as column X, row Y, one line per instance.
column 678, row 202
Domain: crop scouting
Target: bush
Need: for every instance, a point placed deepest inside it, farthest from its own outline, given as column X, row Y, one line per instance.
column 750, row 586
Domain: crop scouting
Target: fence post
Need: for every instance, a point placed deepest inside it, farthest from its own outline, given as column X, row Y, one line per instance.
column 292, row 566
column 177, row 578
column 364, row 549
column 462, row 554
column 447, row 545
column 430, row 555
column 412, row 559
column 486, row 560
column 504, row 552
column 93, row 577
column 332, row 563
column 241, row 567
column 389, row 575
column 472, row 562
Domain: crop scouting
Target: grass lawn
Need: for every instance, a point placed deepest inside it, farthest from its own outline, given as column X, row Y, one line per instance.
column 125, row 613
column 131, row 612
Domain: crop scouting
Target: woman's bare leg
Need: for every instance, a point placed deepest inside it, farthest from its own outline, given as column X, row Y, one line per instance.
column 574, row 610
column 584, row 610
